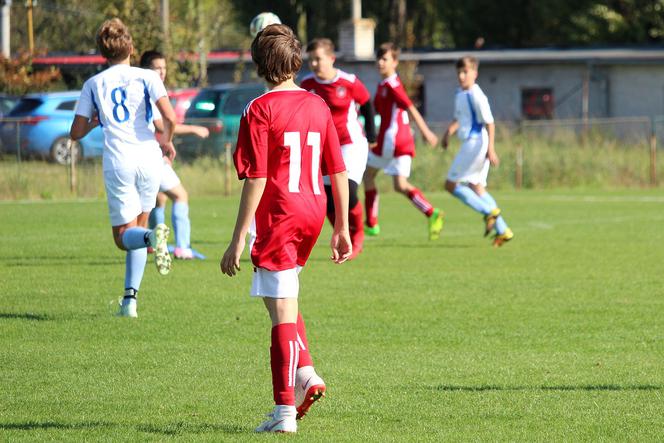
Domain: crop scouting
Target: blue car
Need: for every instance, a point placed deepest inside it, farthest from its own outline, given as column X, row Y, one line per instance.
column 42, row 122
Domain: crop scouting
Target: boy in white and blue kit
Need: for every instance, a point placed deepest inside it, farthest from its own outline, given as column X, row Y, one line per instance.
column 474, row 125
column 118, row 99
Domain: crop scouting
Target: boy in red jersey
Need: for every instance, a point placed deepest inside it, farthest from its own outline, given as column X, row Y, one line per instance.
column 343, row 93
column 286, row 141
column 396, row 147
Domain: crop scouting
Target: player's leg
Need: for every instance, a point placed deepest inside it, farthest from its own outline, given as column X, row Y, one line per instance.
column 181, row 222
column 399, row 169
column 279, row 290
column 309, row 386
column 158, row 213
column 371, row 200
column 503, row 232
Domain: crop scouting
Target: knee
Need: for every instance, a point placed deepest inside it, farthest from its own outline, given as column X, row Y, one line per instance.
column 450, row 186
column 182, row 196
column 118, row 241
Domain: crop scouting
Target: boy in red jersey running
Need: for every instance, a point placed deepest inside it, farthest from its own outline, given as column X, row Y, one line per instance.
column 396, row 147
column 286, row 141
column 343, row 93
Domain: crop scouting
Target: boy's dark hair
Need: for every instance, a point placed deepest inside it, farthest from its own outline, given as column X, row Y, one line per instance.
column 277, row 53
column 324, row 43
column 148, row 56
column 388, row 47
column 467, row 62
column 114, row 40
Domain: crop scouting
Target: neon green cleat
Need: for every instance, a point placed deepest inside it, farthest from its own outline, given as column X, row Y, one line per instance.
column 501, row 239
column 490, row 220
column 372, row 231
column 436, row 223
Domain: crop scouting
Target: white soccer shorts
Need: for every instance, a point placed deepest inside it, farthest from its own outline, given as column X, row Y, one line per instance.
column 169, row 179
column 394, row 166
column 131, row 191
column 355, row 158
column 276, row 284
column 471, row 164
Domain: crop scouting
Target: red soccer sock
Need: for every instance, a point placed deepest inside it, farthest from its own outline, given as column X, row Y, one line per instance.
column 371, row 205
column 420, row 202
column 284, row 361
column 305, row 356
column 355, row 221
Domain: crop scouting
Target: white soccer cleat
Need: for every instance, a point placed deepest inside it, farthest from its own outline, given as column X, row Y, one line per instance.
column 309, row 388
column 281, row 419
column 183, row 253
column 159, row 241
column 128, row 308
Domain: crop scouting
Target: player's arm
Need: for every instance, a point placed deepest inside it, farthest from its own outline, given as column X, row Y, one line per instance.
column 199, row 131
column 368, row 113
column 451, row 130
column 340, row 244
column 252, row 191
column 427, row 133
column 81, row 126
column 169, row 124
column 491, row 150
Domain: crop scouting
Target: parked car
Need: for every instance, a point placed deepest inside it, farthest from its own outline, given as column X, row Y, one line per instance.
column 181, row 101
column 43, row 121
column 218, row 108
column 7, row 102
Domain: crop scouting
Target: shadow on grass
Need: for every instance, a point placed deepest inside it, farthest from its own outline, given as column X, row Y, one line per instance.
column 191, row 428
column 32, row 425
column 24, row 316
column 608, row 387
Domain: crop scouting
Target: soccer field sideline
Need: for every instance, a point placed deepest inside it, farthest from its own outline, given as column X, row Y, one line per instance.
column 555, row 336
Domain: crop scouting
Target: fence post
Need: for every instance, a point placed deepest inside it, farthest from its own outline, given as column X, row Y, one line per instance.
column 653, row 153
column 227, row 168
column 73, row 153
column 18, row 142
column 518, row 170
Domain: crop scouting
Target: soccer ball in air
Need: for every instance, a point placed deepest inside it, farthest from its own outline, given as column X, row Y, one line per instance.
column 261, row 21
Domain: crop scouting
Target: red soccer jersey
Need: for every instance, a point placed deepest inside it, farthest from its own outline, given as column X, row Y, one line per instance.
column 391, row 102
column 342, row 94
column 289, row 138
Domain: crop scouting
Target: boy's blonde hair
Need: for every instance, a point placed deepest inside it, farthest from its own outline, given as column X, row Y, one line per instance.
column 467, row 62
column 277, row 53
column 388, row 47
column 324, row 43
column 113, row 40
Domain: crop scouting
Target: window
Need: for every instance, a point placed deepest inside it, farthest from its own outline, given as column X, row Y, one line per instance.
column 537, row 103
column 67, row 106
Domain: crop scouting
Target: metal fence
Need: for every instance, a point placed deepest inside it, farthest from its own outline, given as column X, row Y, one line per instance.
column 617, row 152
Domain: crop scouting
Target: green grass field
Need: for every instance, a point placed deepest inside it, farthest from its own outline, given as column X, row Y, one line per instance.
column 558, row 336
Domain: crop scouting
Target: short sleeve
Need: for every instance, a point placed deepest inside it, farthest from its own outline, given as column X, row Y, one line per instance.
column 360, row 93
column 251, row 150
column 333, row 161
column 156, row 115
column 85, row 106
column 155, row 86
column 482, row 108
column 400, row 96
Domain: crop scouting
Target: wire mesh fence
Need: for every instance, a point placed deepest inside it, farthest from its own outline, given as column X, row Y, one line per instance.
column 39, row 161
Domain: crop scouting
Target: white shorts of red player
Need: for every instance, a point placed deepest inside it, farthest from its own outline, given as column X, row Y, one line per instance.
column 391, row 165
column 471, row 164
column 276, row 284
column 355, row 158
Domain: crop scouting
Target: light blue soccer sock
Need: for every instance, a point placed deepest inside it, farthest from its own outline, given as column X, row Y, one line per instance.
column 468, row 196
column 135, row 238
column 134, row 267
column 501, row 226
column 157, row 216
column 181, row 225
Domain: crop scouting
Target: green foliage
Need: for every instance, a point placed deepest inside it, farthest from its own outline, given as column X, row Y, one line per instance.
column 557, row 336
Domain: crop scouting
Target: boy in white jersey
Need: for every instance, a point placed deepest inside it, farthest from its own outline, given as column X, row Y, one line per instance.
column 474, row 125
column 171, row 186
column 119, row 99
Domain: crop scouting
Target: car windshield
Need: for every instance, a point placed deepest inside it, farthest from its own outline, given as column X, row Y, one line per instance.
column 205, row 104
column 25, row 106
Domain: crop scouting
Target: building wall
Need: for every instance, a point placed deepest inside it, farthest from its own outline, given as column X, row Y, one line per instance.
column 636, row 90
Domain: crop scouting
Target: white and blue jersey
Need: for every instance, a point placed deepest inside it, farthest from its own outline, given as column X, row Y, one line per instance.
column 121, row 96
column 472, row 112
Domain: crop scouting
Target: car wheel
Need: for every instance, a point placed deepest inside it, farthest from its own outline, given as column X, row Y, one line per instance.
column 62, row 148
